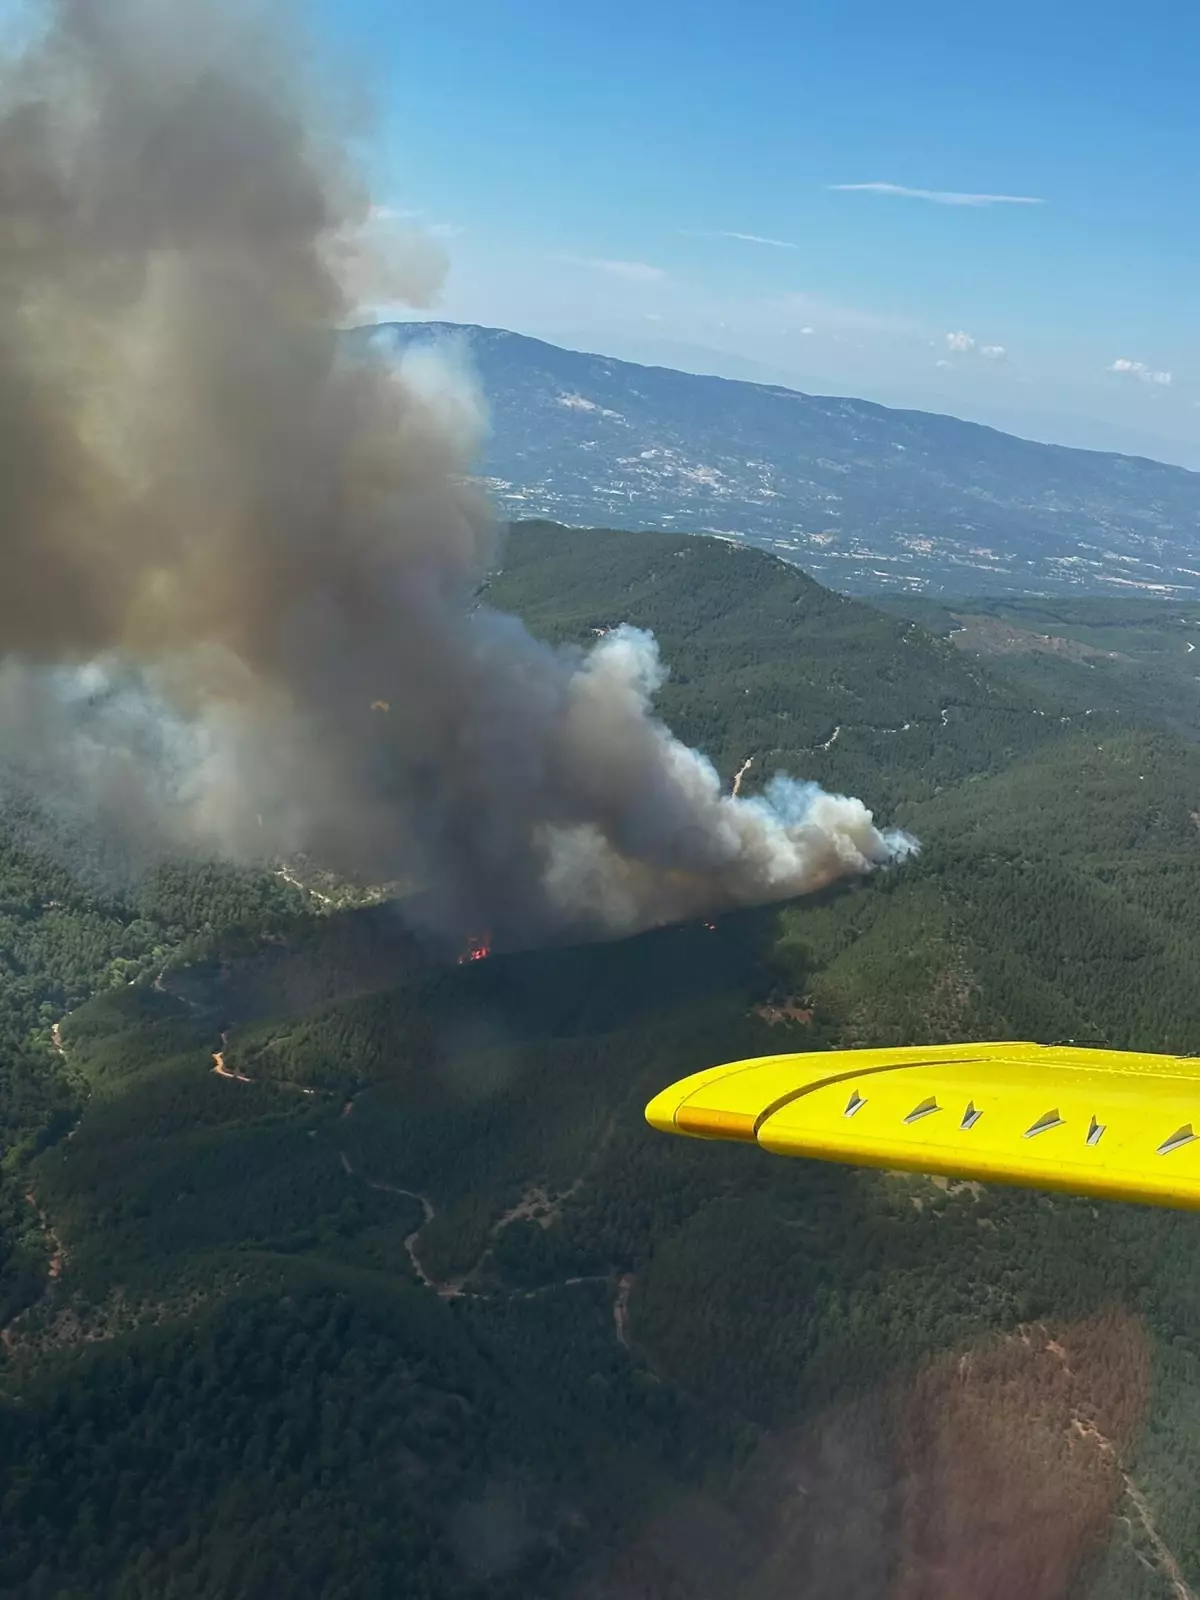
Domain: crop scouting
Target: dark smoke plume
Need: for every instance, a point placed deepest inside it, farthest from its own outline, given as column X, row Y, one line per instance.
column 240, row 552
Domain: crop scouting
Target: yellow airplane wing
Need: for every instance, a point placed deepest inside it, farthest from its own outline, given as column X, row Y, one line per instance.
column 1107, row 1123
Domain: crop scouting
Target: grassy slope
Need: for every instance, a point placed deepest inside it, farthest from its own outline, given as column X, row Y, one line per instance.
column 240, row 1352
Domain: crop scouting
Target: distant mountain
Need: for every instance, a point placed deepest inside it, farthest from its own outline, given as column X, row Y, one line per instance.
column 1077, row 430
column 867, row 498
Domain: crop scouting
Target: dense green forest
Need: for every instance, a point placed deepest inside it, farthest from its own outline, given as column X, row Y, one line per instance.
column 332, row 1267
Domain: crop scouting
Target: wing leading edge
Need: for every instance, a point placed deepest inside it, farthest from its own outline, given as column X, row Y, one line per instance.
column 1108, row 1123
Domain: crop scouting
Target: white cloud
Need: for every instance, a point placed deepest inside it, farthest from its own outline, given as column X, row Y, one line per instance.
column 744, row 238
column 942, row 363
column 963, row 344
column 940, row 197
column 631, row 271
column 1139, row 370
column 807, row 331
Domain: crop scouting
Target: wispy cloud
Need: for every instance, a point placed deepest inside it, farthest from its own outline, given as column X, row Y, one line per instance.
column 1138, row 370
column 961, row 342
column 386, row 216
column 993, row 352
column 939, row 197
column 631, row 271
column 743, row 238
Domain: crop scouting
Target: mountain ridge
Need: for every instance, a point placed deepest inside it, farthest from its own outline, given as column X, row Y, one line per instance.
column 869, row 498
column 1070, row 429
column 457, row 328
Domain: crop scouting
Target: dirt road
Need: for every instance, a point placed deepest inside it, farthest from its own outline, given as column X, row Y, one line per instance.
column 221, row 1070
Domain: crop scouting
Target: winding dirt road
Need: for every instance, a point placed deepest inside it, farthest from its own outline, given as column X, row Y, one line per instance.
column 221, row 1070
column 448, row 1290
column 58, row 1256
column 1087, row 1429
column 543, row 1210
column 1166, row 1558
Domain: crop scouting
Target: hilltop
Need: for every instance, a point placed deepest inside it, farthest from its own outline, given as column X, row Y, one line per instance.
column 869, row 499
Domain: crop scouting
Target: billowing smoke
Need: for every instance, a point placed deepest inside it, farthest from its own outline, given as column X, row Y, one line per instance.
column 241, row 550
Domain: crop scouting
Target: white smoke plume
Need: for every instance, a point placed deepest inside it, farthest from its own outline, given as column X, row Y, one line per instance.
column 240, row 551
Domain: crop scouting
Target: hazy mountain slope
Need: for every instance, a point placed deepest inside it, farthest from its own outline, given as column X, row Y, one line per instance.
column 867, row 498
column 409, row 1300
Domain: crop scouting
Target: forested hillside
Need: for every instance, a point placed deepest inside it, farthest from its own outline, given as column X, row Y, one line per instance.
column 767, row 664
column 1133, row 657
column 334, row 1267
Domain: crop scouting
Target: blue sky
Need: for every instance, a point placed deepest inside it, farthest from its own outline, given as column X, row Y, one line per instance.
column 590, row 168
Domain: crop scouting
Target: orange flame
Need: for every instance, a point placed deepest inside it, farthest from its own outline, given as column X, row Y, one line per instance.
column 478, row 949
